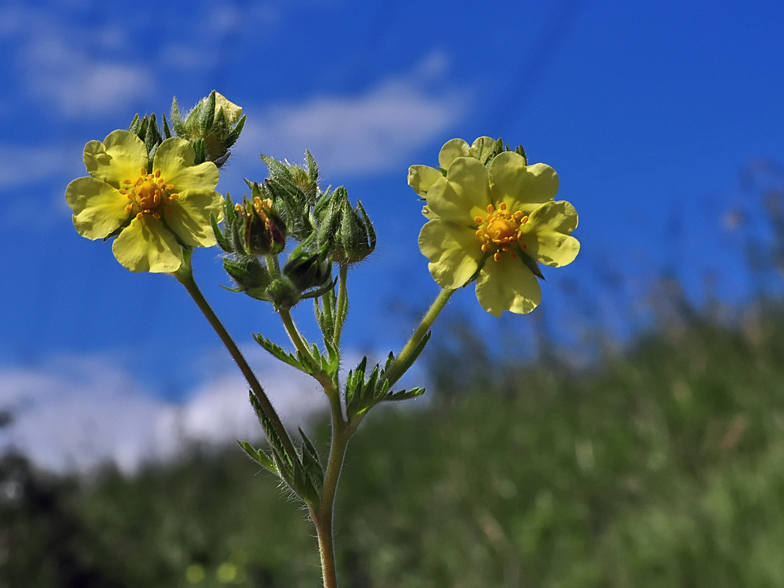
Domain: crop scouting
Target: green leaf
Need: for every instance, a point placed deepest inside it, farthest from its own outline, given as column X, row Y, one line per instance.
column 259, row 456
column 404, row 394
column 278, row 352
column 223, row 243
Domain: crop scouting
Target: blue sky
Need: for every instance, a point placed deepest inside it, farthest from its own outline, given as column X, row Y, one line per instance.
column 648, row 111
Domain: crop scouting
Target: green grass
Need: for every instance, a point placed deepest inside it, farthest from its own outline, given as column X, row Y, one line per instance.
column 659, row 467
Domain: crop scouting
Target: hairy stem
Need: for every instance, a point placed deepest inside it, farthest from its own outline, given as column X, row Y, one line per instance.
column 184, row 275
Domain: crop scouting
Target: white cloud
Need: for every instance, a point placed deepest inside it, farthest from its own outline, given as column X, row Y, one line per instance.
column 57, row 63
column 372, row 132
column 76, row 412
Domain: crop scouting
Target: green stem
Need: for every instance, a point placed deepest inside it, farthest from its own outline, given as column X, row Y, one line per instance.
column 342, row 305
column 184, row 275
column 323, row 516
column 427, row 321
column 294, row 335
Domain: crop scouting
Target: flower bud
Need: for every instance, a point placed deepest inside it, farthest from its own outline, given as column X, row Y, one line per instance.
column 249, row 273
column 283, row 294
column 308, row 268
column 347, row 231
column 213, row 126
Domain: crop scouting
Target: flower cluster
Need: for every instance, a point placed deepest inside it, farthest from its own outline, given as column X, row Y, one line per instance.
column 492, row 217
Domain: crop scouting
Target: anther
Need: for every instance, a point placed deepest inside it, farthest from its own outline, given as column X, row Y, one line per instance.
column 170, row 186
column 175, row 196
column 157, row 173
column 479, row 233
column 127, row 182
column 485, row 247
column 503, row 206
column 524, row 219
column 518, row 215
column 478, row 220
column 139, row 216
column 490, row 208
column 156, row 216
column 129, row 208
column 144, row 171
column 123, row 191
column 497, row 256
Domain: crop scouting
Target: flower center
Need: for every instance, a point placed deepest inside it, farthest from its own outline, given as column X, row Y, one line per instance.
column 500, row 229
column 148, row 194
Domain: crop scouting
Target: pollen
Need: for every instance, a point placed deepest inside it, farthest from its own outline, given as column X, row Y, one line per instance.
column 147, row 194
column 500, row 230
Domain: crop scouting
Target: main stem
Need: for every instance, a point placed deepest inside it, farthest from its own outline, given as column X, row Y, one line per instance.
column 185, row 276
column 323, row 516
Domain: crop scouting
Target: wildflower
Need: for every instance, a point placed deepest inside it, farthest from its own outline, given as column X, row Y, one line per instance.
column 153, row 211
column 493, row 223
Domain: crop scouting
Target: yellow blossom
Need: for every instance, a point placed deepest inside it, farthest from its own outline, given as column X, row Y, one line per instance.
column 154, row 210
column 492, row 222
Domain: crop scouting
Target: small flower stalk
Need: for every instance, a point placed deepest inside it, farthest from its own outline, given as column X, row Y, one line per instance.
column 491, row 219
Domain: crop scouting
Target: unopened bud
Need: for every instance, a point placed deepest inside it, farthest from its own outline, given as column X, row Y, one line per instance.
column 347, row 231
column 213, row 126
column 308, row 268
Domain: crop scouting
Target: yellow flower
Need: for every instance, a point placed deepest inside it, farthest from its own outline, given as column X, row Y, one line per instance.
column 490, row 222
column 156, row 209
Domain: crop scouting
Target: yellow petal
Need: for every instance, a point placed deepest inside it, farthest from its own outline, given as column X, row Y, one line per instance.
column 521, row 187
column 546, row 234
column 482, row 148
column 463, row 194
column 146, row 245
column 120, row 157
column 175, row 159
column 454, row 252
column 507, row 284
column 451, row 150
column 190, row 216
column 231, row 112
column 421, row 177
column 99, row 209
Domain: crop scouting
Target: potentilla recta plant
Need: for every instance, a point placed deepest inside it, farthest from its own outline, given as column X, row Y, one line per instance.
column 491, row 219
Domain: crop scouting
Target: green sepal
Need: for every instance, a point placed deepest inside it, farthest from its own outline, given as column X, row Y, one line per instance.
column 520, row 151
column 166, row 130
column 179, row 128
column 223, row 243
column 207, row 114
column 259, row 456
column 530, row 263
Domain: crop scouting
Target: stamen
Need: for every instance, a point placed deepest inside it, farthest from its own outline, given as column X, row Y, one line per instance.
column 129, row 208
column 518, row 215
column 497, row 256
column 139, row 216
column 123, row 191
column 479, row 233
column 130, row 196
column 175, row 196
column 490, row 208
column 478, row 220
column 156, row 216
column 170, row 186
column 157, row 173
column 127, row 182
column 485, row 247
column 524, row 219
column 503, row 206
column 144, row 171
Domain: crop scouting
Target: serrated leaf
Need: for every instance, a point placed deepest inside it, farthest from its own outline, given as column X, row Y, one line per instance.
column 259, row 456
column 277, row 351
column 404, row 394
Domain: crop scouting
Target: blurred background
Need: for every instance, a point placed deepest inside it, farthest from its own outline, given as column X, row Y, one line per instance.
column 629, row 432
